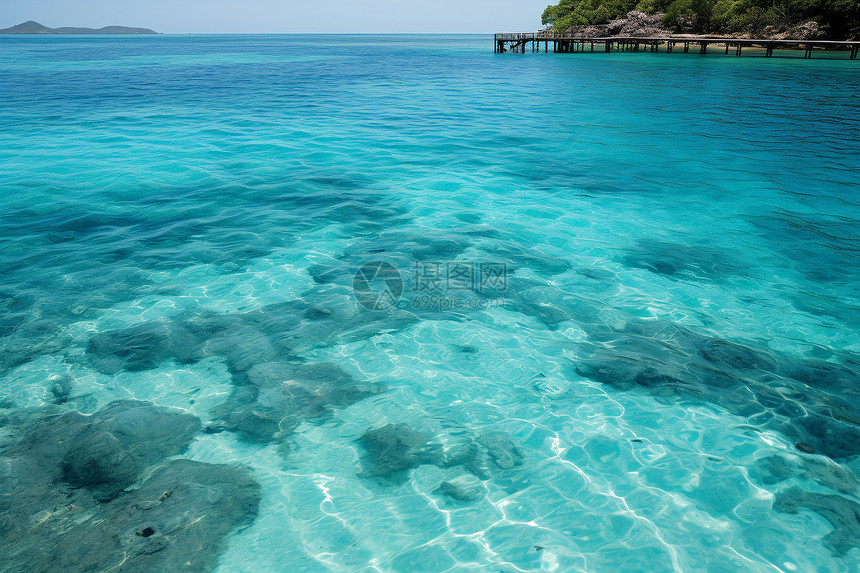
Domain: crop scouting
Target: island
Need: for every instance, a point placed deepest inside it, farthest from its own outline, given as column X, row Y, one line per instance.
column 769, row 19
column 31, row 27
column 655, row 25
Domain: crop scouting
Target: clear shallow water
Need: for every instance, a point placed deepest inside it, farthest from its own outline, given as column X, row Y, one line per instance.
column 182, row 219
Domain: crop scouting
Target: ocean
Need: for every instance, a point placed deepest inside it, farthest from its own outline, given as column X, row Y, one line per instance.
column 398, row 303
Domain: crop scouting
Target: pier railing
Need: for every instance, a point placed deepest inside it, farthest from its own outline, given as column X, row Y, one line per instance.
column 568, row 42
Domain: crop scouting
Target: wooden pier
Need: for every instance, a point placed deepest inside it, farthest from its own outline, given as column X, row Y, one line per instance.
column 568, row 43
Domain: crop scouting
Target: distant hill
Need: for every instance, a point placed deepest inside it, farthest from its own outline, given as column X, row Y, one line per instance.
column 32, row 27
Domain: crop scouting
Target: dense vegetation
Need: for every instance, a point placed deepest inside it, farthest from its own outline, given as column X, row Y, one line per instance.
column 838, row 18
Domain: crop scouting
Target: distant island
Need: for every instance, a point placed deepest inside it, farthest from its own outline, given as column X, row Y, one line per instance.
column 32, row 27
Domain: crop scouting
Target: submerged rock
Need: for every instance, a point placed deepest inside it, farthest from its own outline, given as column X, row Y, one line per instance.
column 177, row 520
column 142, row 347
column 596, row 273
column 98, row 461
column 842, row 513
column 324, row 316
column 462, row 488
column 724, row 353
column 30, row 340
column 777, row 468
column 328, row 313
column 68, row 475
column 671, row 362
column 274, row 398
column 680, row 260
column 549, row 305
column 485, row 455
column 61, row 388
column 393, row 450
column 73, row 288
column 403, row 249
column 105, row 452
column 514, row 256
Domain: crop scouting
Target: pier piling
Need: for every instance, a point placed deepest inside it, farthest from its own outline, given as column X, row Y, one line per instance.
column 564, row 43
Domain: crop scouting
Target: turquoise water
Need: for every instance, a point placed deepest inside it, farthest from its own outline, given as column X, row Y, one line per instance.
column 409, row 305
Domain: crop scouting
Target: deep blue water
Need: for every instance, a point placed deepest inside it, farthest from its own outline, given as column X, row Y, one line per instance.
column 409, row 305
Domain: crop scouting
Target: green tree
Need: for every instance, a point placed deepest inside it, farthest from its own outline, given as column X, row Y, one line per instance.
column 838, row 18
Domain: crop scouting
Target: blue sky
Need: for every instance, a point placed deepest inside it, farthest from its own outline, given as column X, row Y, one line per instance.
column 285, row 16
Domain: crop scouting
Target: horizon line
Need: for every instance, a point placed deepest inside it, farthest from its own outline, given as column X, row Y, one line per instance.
column 271, row 33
